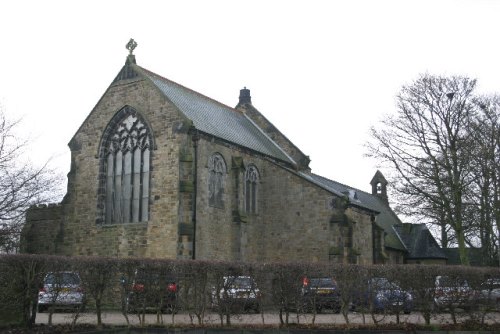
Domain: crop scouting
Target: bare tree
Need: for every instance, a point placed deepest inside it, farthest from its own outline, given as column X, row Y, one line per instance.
column 485, row 130
column 427, row 146
column 22, row 184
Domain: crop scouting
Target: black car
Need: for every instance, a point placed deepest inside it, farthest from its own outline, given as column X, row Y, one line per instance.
column 236, row 293
column 320, row 293
column 151, row 291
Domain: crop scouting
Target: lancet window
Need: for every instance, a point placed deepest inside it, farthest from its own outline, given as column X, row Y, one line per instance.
column 125, row 162
column 217, row 172
column 251, row 184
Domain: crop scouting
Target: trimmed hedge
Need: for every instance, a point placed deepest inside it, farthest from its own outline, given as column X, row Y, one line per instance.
column 108, row 282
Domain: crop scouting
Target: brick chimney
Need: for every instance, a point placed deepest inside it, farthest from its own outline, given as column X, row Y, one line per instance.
column 245, row 97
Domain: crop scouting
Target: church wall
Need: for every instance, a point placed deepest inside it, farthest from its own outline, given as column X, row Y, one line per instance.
column 157, row 237
column 362, row 239
column 219, row 234
column 300, row 223
column 262, row 236
column 394, row 257
column 296, row 219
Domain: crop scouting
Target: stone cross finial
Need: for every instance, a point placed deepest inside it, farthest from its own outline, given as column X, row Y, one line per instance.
column 131, row 45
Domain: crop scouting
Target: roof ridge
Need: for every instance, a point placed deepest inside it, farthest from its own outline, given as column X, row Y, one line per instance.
column 188, row 89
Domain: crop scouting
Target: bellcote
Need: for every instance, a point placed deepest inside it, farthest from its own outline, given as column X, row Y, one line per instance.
column 379, row 186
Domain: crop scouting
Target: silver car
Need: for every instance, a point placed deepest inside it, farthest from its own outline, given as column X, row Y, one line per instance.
column 490, row 293
column 453, row 292
column 61, row 290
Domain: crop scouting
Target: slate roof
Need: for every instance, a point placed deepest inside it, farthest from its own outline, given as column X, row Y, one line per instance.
column 419, row 242
column 215, row 118
column 386, row 218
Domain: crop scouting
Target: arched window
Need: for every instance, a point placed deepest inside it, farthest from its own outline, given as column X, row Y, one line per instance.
column 217, row 171
column 125, row 155
column 251, row 181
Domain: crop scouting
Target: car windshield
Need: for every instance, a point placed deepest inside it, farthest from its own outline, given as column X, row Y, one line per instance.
column 492, row 283
column 62, row 278
column 322, row 283
column 445, row 281
column 241, row 282
column 143, row 277
column 384, row 284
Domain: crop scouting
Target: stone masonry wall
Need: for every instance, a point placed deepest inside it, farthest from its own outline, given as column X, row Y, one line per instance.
column 299, row 220
column 294, row 219
column 362, row 238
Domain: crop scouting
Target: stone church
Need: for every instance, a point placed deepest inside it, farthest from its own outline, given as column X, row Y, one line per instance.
column 161, row 171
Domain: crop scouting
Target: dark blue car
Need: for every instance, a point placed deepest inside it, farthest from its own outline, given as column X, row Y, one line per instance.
column 384, row 296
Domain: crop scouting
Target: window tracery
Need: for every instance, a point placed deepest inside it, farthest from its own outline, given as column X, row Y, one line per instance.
column 125, row 162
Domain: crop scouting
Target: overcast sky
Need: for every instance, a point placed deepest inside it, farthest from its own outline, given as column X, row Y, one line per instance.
column 323, row 72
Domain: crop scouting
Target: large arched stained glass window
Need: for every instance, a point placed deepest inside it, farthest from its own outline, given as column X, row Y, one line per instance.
column 217, row 172
column 251, row 182
column 125, row 161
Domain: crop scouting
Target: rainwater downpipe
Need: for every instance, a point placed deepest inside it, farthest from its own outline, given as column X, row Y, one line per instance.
column 195, row 138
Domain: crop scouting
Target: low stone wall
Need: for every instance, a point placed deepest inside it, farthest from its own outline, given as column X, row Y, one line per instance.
column 42, row 233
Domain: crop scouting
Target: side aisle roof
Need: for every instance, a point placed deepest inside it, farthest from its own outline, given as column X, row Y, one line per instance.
column 385, row 218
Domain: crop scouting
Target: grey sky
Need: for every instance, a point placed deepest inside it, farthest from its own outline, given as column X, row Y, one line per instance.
column 323, row 72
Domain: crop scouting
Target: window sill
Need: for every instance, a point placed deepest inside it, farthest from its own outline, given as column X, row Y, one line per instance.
column 125, row 225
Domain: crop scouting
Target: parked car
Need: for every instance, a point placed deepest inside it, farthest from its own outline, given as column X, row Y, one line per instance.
column 490, row 293
column 61, row 290
column 452, row 292
column 151, row 291
column 382, row 295
column 320, row 293
column 237, row 293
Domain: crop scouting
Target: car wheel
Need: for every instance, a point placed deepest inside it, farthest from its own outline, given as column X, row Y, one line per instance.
column 42, row 308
